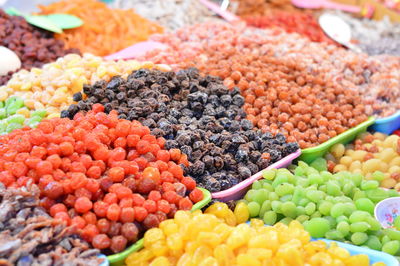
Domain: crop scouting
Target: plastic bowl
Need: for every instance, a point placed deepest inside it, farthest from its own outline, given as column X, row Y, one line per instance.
column 105, row 261
column 388, row 124
column 119, row 258
column 373, row 255
column 310, row 154
column 387, row 210
column 237, row 192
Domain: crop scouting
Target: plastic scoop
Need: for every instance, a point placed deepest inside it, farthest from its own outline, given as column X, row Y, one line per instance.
column 228, row 16
column 136, row 50
column 39, row 21
column 65, row 21
column 386, row 211
column 338, row 30
column 325, row 4
column 9, row 61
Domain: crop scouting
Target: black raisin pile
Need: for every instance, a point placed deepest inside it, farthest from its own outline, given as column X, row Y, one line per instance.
column 196, row 114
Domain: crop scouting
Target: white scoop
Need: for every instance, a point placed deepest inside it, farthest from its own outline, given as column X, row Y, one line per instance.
column 9, row 61
column 337, row 29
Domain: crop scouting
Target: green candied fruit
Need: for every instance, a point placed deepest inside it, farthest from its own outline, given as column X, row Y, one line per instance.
column 317, row 227
column 273, row 196
column 359, row 227
column 254, row 208
column 2, row 104
column 13, row 105
column 302, row 218
column 19, row 119
column 315, row 195
column 276, row 206
column 315, row 179
column 391, row 247
column 300, row 171
column 365, row 204
column 334, row 235
column 3, row 126
column 359, row 216
column 369, row 184
column 325, row 207
column 378, row 176
column 288, row 209
column 286, row 220
column 332, row 188
column 377, row 194
column 260, row 195
column 303, row 182
column 266, row 206
column 326, row 175
column 319, row 164
column 343, row 227
column 284, row 189
column 300, row 210
column 357, row 178
column 40, row 113
column 337, row 210
column 359, row 238
column 392, row 234
column 270, row 218
column 256, row 185
column 13, row 126
column 373, row 242
column 3, row 113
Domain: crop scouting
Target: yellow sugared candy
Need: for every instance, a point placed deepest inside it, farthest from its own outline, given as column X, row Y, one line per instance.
column 52, row 86
column 206, row 239
column 375, row 156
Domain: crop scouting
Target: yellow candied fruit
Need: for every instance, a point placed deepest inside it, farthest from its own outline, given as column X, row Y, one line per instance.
column 24, row 111
column 214, row 242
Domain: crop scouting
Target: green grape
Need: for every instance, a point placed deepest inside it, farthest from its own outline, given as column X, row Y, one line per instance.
column 334, row 235
column 343, row 227
column 260, row 195
column 393, row 193
column 270, row 218
column 268, row 187
column 311, row 170
column 337, row 210
column 250, row 195
column 391, row 247
column 302, row 164
column 359, row 227
column 369, row 184
column 286, row 220
column 3, row 113
column 256, row 185
column 276, row 206
column 13, row 126
column 349, row 208
column 266, row 206
column 374, row 243
column 342, row 218
column 357, row 179
column 302, row 218
column 358, row 216
column 40, row 113
column 273, row 196
column 13, row 106
column 397, row 222
column 289, row 209
column 359, row 195
column 303, row 202
column 392, row 234
column 385, row 239
column 310, row 208
column 348, row 189
column 300, row 171
column 302, row 182
column 280, row 178
column 322, row 188
column 359, row 238
column 319, row 164
column 315, row 195
column 377, row 194
column 3, row 126
column 378, row 176
column 315, row 179
column 325, row 207
column 365, row 204
column 333, row 189
column 331, row 220
column 1, row 104
column 254, row 208
column 286, row 198
column 326, row 176
column 373, row 223
column 317, row 227
column 18, row 119
column 284, row 189
column 297, row 195
column 300, row 210
column 316, row 214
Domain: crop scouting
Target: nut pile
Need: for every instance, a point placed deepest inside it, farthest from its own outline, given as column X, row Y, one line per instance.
column 376, row 156
column 172, row 14
column 29, row 236
column 107, row 176
column 196, row 114
column 33, row 46
column 203, row 239
column 50, row 88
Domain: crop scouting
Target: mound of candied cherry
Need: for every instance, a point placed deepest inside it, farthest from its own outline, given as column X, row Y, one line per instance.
column 109, row 177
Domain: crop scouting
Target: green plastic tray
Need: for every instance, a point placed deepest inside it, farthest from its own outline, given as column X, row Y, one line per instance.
column 310, row 154
column 119, row 258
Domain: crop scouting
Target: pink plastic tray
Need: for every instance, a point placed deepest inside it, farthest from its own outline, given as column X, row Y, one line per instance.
column 238, row 191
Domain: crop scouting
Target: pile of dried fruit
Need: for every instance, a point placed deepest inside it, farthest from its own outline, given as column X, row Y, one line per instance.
column 105, row 30
column 172, row 14
column 197, row 115
column 29, row 236
column 203, row 239
column 33, row 46
column 99, row 173
column 376, row 156
column 309, row 91
column 50, row 88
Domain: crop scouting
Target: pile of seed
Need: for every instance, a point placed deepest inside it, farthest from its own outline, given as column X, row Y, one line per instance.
column 32, row 45
column 196, row 114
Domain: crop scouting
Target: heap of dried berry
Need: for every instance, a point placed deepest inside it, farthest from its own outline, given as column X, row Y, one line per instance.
column 196, row 114
column 29, row 236
column 109, row 177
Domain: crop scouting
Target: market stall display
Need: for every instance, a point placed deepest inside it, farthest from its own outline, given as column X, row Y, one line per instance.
column 244, row 142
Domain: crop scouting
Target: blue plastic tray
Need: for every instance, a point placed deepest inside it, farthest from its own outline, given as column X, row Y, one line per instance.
column 388, row 124
column 373, row 255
